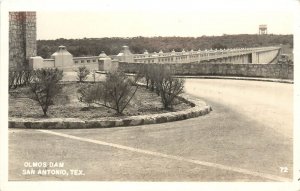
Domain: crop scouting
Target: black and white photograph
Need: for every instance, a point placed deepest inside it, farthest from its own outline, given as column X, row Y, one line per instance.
column 150, row 95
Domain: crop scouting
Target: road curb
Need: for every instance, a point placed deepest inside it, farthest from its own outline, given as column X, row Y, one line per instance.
column 238, row 78
column 198, row 108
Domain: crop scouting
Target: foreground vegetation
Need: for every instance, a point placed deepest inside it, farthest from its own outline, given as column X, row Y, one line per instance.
column 67, row 105
column 117, row 93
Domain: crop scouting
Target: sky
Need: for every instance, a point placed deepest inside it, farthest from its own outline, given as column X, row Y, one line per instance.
column 130, row 18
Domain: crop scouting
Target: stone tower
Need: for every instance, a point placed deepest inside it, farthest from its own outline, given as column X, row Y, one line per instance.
column 22, row 39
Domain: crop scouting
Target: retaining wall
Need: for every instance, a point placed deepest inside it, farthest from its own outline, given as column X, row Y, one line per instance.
column 283, row 71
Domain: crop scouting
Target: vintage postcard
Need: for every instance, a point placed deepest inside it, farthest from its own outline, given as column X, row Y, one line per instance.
column 152, row 95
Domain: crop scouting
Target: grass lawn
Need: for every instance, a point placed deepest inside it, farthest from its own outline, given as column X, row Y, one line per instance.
column 67, row 105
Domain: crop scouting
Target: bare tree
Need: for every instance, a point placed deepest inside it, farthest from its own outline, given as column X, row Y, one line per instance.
column 144, row 72
column 115, row 93
column 82, row 73
column 90, row 93
column 170, row 88
column 164, row 84
column 94, row 75
column 45, row 87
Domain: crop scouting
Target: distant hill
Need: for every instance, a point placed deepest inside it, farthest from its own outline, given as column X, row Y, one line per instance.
column 112, row 46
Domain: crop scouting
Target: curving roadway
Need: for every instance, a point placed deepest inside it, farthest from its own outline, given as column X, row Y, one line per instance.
column 247, row 137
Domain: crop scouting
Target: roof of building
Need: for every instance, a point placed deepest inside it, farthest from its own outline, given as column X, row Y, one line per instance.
column 61, row 51
column 102, row 55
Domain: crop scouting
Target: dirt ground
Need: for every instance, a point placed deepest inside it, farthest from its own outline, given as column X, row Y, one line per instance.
column 67, row 105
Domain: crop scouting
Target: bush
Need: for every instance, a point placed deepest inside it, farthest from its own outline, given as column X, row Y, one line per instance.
column 115, row 93
column 19, row 78
column 151, row 73
column 144, row 72
column 82, row 73
column 13, row 82
column 164, row 84
column 45, row 87
column 118, row 91
column 94, row 75
column 170, row 88
column 159, row 74
column 90, row 94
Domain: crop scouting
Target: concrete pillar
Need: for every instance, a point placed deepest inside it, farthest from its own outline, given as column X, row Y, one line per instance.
column 36, row 62
column 104, row 62
column 254, row 58
column 62, row 58
column 114, row 65
column 125, row 55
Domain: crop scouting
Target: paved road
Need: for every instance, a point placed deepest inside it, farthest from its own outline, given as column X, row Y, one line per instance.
column 270, row 104
column 247, row 137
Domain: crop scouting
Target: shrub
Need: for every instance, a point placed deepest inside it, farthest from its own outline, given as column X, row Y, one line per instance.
column 159, row 73
column 118, row 91
column 90, row 94
column 82, row 73
column 170, row 88
column 27, row 77
column 115, row 93
column 12, row 79
column 164, row 84
column 19, row 78
column 45, row 87
column 94, row 75
column 144, row 72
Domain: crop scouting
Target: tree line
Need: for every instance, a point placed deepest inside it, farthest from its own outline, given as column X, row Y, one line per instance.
column 137, row 45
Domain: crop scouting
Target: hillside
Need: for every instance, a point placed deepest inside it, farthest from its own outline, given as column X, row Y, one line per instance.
column 94, row 46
